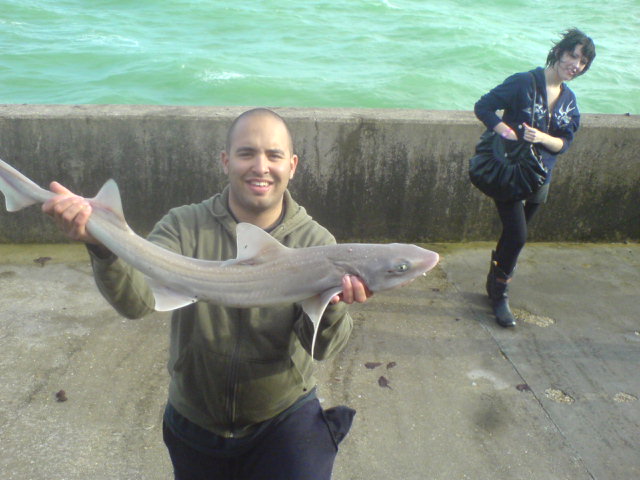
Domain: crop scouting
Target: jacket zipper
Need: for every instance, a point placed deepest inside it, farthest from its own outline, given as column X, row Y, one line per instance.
column 232, row 379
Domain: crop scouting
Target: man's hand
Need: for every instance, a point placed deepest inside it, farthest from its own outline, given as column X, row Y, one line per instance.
column 353, row 290
column 70, row 212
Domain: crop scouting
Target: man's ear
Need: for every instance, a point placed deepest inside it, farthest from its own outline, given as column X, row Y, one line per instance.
column 224, row 160
column 294, row 165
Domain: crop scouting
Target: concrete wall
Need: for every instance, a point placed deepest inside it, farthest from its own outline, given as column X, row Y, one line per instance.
column 368, row 175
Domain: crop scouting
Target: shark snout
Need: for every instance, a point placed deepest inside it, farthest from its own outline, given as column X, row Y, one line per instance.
column 430, row 260
column 420, row 259
column 426, row 262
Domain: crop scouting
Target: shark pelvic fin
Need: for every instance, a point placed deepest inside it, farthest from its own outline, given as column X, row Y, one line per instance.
column 315, row 306
column 166, row 299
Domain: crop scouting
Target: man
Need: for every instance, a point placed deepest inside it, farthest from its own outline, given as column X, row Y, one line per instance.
column 242, row 401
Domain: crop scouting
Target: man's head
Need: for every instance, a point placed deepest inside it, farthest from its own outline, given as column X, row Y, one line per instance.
column 257, row 112
column 567, row 45
column 259, row 161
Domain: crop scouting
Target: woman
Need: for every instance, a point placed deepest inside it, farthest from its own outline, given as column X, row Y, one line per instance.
column 556, row 120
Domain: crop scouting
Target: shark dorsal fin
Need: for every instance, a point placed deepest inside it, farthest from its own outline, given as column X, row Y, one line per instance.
column 254, row 245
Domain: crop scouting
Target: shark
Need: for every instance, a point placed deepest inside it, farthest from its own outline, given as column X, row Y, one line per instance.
column 263, row 273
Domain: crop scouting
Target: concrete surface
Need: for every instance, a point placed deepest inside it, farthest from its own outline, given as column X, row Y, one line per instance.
column 399, row 175
column 555, row 398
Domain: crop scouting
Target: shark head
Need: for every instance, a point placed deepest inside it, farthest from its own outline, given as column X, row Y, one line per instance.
column 383, row 267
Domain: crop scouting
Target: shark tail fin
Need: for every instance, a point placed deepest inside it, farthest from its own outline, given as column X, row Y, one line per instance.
column 19, row 192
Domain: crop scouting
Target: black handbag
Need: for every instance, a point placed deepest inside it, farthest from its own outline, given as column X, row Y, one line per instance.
column 507, row 170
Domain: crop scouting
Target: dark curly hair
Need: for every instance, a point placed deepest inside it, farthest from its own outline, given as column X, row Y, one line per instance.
column 569, row 41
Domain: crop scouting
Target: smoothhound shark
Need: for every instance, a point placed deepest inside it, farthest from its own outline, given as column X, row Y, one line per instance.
column 264, row 272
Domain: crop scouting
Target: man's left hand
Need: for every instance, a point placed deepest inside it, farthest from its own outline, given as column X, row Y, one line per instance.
column 353, row 290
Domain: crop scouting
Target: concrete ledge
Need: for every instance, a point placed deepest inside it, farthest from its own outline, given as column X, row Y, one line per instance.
column 366, row 174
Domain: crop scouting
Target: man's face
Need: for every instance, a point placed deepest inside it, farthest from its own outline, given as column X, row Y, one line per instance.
column 259, row 164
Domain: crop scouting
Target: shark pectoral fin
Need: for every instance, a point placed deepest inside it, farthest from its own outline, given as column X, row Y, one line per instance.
column 315, row 306
column 166, row 299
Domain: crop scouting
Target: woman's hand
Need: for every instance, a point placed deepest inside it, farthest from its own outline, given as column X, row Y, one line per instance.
column 505, row 131
column 533, row 135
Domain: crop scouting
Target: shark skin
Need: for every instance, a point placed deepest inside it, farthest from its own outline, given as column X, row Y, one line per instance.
column 264, row 272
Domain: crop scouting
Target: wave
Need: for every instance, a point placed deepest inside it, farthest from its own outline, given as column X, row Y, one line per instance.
column 108, row 40
column 218, row 76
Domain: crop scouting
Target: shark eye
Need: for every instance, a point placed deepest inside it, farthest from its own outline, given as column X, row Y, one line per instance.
column 402, row 267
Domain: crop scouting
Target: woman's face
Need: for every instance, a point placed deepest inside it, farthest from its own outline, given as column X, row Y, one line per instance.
column 571, row 64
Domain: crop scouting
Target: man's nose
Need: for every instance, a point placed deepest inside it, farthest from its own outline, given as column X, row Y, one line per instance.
column 261, row 162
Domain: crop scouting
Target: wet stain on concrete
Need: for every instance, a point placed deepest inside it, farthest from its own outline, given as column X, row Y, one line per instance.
column 41, row 260
column 384, row 382
column 493, row 414
column 558, row 396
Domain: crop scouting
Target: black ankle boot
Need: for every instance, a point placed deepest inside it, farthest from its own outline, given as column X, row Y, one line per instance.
column 497, row 289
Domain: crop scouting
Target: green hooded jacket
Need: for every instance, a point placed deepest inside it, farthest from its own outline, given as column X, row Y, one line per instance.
column 230, row 368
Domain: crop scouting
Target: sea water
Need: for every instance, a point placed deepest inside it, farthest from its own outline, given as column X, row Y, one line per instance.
column 416, row 54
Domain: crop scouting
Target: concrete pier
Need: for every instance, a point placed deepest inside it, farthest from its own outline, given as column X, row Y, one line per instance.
column 554, row 398
column 83, row 389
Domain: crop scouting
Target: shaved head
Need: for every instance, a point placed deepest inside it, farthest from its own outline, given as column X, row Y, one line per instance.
column 257, row 112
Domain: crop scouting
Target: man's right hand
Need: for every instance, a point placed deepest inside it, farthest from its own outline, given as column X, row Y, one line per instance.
column 71, row 213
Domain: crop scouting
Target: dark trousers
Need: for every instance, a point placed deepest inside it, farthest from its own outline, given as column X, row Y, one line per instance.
column 303, row 446
column 515, row 217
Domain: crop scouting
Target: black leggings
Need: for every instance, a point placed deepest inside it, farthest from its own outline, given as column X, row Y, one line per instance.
column 515, row 217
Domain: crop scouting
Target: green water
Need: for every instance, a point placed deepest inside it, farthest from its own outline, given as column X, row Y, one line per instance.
column 360, row 53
